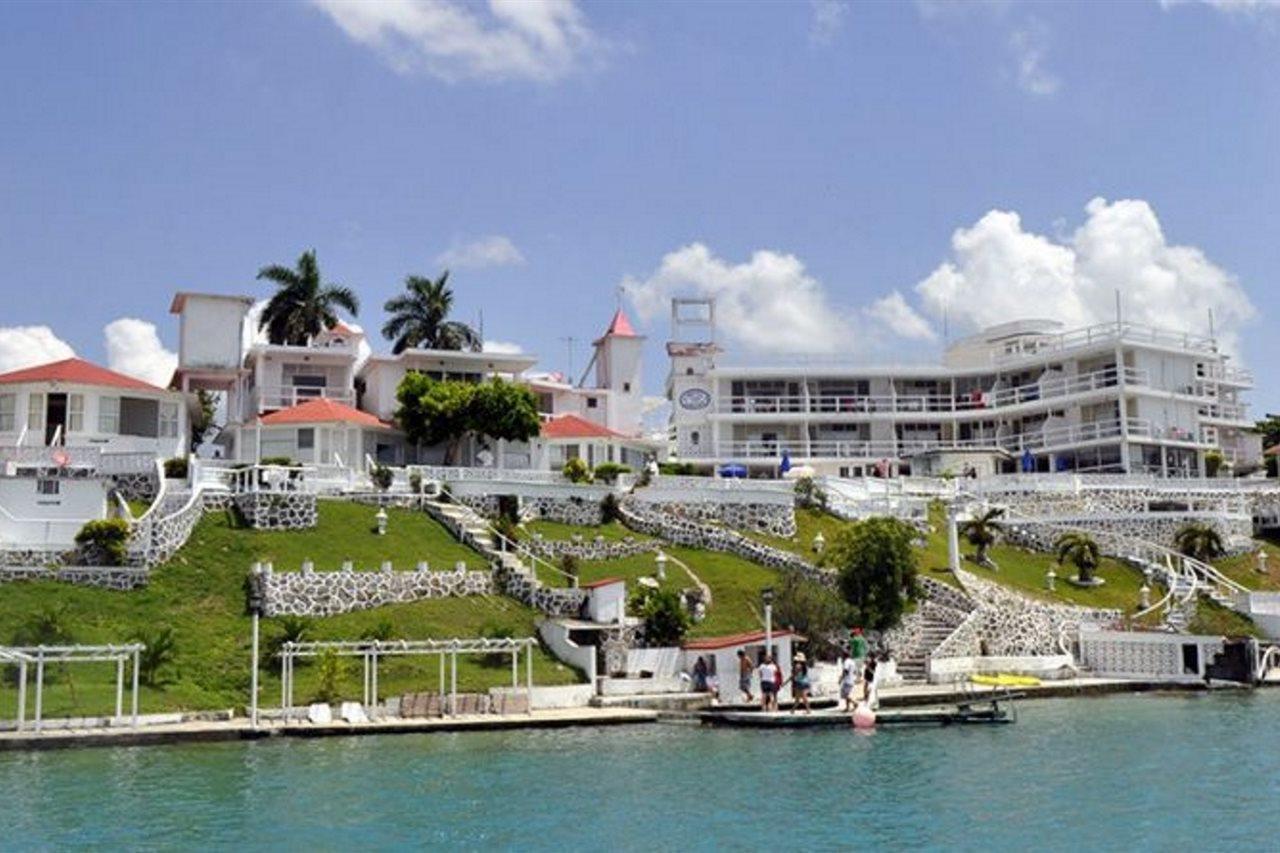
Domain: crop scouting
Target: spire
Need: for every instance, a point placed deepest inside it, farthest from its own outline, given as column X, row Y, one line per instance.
column 620, row 326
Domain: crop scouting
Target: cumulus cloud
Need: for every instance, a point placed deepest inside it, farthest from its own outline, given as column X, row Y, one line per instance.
column 893, row 313
column 1029, row 45
column 1026, row 37
column 27, row 346
column 999, row 271
column 768, row 303
column 540, row 40
column 502, row 347
column 134, row 348
column 827, row 19
column 494, row 250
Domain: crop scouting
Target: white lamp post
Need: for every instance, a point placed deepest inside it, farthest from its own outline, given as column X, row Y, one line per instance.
column 1144, row 595
column 766, row 595
column 819, row 542
column 1050, row 578
column 381, row 519
column 1262, row 561
column 661, row 561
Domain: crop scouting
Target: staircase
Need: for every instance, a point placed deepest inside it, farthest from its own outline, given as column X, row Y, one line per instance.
column 913, row 665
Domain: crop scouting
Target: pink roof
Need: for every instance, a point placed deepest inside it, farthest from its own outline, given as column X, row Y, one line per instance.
column 572, row 426
column 749, row 638
column 321, row 410
column 620, row 326
column 75, row 371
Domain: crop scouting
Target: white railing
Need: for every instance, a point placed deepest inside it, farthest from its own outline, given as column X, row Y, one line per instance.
column 448, row 474
column 126, row 463
column 52, row 457
column 1105, row 332
column 284, row 396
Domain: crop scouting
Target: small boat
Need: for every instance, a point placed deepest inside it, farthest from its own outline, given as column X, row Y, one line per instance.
column 985, row 712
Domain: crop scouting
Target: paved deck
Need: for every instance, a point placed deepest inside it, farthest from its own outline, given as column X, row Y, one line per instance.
column 239, row 729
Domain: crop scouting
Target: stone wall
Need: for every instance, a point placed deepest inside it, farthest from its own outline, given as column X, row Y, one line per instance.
column 528, row 590
column 590, row 549
column 1160, row 528
column 312, row 593
column 137, row 485
column 103, row 577
column 775, row 519
column 578, row 511
column 277, row 510
column 44, row 557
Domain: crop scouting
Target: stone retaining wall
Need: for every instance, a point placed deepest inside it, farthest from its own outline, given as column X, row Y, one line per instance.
column 771, row 518
column 578, row 511
column 102, row 577
column 277, row 510
column 590, row 549
column 311, row 593
column 137, row 486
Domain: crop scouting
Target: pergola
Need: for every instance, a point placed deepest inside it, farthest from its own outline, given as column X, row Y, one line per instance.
column 26, row 657
column 372, row 651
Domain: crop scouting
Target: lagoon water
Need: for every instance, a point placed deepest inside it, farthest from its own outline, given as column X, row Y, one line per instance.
column 1172, row 772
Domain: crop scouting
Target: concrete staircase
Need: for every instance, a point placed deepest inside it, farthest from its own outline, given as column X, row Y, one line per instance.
column 913, row 665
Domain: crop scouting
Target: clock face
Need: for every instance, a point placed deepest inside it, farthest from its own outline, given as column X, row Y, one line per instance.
column 695, row 398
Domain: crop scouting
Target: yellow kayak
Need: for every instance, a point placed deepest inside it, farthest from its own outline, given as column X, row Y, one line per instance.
column 1005, row 680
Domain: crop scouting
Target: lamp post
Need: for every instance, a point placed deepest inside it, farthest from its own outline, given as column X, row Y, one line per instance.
column 1262, row 561
column 381, row 519
column 819, row 543
column 661, row 561
column 766, row 595
column 1050, row 579
column 255, row 608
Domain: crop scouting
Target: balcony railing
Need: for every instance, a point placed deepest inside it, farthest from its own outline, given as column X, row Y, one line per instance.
column 1105, row 332
column 1045, row 389
column 269, row 397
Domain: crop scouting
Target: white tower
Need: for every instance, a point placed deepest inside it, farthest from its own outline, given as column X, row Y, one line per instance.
column 690, row 388
column 619, row 361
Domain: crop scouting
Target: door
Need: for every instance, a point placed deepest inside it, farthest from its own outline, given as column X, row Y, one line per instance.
column 55, row 417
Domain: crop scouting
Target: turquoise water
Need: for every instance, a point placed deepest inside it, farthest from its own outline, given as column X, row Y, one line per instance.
column 1180, row 772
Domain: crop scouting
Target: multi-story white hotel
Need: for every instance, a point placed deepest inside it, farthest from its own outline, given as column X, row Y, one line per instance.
column 1026, row 394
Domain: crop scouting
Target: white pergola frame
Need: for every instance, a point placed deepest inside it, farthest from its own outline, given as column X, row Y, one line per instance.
column 26, row 657
column 372, row 651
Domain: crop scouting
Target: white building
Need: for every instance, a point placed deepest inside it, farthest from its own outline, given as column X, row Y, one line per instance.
column 1112, row 397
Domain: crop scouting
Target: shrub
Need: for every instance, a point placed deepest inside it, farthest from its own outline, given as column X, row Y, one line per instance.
column 682, row 469
column 665, row 619
column 576, row 471
column 814, row 611
column 332, row 668
column 507, row 528
column 160, row 649
column 1213, row 460
column 876, row 569
column 610, row 509
column 415, row 483
column 607, row 472
column 293, row 629
column 381, row 632
column 570, row 565
column 105, row 541
column 494, row 631
column 381, row 476
column 176, row 468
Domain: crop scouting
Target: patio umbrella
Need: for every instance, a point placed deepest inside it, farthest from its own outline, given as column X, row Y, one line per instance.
column 786, row 461
column 1028, row 462
column 733, row 470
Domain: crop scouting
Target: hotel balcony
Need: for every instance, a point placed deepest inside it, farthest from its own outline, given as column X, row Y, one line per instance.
column 269, row 398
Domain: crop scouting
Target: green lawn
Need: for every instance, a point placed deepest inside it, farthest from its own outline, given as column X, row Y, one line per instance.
column 809, row 522
column 612, row 531
column 1242, row 568
column 1214, row 619
column 200, row 594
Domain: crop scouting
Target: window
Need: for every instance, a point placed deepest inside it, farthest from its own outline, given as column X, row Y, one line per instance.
column 626, row 387
column 592, row 402
column 47, row 487
column 694, row 438
column 75, row 413
column 306, row 438
column 8, row 407
column 109, row 415
column 35, row 412
column 168, row 420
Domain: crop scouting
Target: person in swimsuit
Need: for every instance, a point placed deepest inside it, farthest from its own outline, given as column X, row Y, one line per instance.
column 744, row 676
column 800, row 683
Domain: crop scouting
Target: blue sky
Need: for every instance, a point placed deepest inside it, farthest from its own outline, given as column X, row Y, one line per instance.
column 803, row 162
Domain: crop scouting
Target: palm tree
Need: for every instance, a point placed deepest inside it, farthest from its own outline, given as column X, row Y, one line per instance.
column 304, row 305
column 1199, row 542
column 419, row 318
column 981, row 532
column 160, row 647
column 1081, row 551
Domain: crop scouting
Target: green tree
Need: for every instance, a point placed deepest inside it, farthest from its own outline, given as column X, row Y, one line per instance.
column 981, row 532
column 1199, row 542
column 876, row 569
column 331, row 670
column 202, row 420
column 665, row 619
column 504, row 410
column 1081, row 551
column 442, row 412
column 814, row 611
column 420, row 318
column 303, row 305
column 160, row 648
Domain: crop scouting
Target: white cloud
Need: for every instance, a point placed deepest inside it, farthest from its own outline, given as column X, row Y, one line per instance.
column 1001, row 272
column 134, row 348
column 893, row 313
column 1029, row 45
column 1242, row 8
column 827, row 19
column 502, row 347
column 494, row 250
column 27, row 346
column 541, row 40
column 769, row 303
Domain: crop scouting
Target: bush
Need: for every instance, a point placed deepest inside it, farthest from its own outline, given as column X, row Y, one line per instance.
column 876, row 569
column 610, row 509
column 507, row 528
column 161, row 647
column 665, row 619
column 682, row 469
column 176, row 468
column 1213, row 460
column 607, row 472
column 494, row 631
column 570, row 565
column 381, row 632
column 105, row 541
column 293, row 629
column 415, row 483
column 381, row 477
column 814, row 611
column 576, row 471
column 332, row 669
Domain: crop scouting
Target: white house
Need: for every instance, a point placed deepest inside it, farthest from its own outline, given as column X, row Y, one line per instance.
column 721, row 655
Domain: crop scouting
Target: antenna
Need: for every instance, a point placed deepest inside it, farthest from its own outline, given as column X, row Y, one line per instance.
column 1212, row 337
column 1117, row 307
column 569, row 341
column 480, row 326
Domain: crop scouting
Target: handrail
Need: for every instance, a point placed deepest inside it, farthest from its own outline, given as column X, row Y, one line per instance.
column 1270, row 654
column 508, row 545
column 145, row 518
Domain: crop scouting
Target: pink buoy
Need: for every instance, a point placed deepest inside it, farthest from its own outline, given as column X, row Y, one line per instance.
column 864, row 717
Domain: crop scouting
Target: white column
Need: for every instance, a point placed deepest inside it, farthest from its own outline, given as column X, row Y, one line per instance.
column 22, row 694
column 253, row 676
column 953, row 539
column 119, row 689
column 528, row 672
column 135, row 688
column 453, row 684
column 39, row 689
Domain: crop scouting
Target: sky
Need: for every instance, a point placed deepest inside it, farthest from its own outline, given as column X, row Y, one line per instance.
column 854, row 180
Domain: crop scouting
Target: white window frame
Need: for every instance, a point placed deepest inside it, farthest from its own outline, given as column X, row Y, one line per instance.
column 35, row 413
column 109, row 415
column 8, row 412
column 75, row 413
column 168, row 426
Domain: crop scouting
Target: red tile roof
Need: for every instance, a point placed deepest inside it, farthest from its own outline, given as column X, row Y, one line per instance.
column 603, row 582
column 75, row 371
column 572, row 426
column 321, row 410
column 620, row 326
column 749, row 638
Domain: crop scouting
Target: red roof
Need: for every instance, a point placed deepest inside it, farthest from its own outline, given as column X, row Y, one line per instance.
column 75, row 371
column 321, row 410
column 603, row 582
column 747, row 639
column 620, row 326
column 572, row 426
column 341, row 328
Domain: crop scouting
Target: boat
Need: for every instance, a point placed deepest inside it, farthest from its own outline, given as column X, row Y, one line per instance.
column 994, row 711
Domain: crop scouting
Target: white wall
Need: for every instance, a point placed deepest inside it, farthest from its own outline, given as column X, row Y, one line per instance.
column 211, row 332
column 30, row 518
column 607, row 603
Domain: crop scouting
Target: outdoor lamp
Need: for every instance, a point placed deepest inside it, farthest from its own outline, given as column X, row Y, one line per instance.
column 661, row 561
column 819, row 542
column 381, row 519
column 1050, row 578
column 1144, row 595
column 1262, row 561
column 766, row 595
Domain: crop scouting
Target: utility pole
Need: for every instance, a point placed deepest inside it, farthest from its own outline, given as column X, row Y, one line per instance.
column 569, row 341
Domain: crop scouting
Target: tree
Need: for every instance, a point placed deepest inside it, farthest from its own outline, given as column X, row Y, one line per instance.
column 160, row 647
column 304, row 305
column 1199, row 542
column 202, row 420
column 876, row 569
column 812, row 610
column 1081, row 551
column 665, row 619
column 981, row 532
column 442, row 412
column 419, row 318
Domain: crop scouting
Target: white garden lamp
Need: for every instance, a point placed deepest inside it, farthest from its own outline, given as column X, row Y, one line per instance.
column 1262, row 561
column 1144, row 595
column 381, row 518
column 661, row 561
column 1050, row 579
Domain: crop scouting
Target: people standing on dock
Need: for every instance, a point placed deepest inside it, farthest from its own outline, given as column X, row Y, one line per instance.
column 799, row 682
column 770, row 677
column 848, row 679
column 745, row 670
column 869, row 694
column 700, row 675
column 857, row 644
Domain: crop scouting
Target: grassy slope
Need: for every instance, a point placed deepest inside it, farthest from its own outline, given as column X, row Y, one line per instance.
column 200, row 594
column 1241, row 569
column 613, row 531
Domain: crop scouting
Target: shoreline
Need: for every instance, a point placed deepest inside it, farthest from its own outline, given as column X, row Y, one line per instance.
column 239, row 729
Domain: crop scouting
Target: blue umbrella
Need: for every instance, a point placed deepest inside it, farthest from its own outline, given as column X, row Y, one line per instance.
column 786, row 461
column 1028, row 462
column 733, row 470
